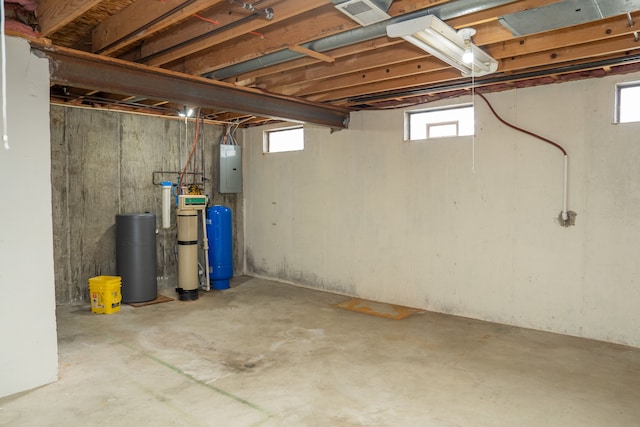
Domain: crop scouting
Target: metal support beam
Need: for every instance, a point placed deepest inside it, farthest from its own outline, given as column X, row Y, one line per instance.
column 88, row 71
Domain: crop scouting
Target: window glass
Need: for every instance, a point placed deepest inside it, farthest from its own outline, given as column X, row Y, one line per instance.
column 439, row 123
column 628, row 103
column 281, row 140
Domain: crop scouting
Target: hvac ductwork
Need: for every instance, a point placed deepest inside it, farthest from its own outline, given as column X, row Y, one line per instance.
column 364, row 12
column 445, row 11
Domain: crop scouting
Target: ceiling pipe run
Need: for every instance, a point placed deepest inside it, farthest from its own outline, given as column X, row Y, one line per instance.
column 361, row 34
column 199, row 37
column 145, row 26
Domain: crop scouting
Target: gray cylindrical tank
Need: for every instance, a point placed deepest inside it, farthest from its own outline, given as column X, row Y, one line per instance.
column 136, row 256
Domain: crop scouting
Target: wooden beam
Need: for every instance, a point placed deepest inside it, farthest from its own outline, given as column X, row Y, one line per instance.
column 383, row 57
column 323, row 77
column 565, row 37
column 84, row 70
column 271, row 39
column 321, row 22
column 406, row 82
column 308, row 63
column 588, row 52
column 306, row 27
column 312, row 53
column 169, row 52
column 140, row 20
column 422, row 66
column 55, row 14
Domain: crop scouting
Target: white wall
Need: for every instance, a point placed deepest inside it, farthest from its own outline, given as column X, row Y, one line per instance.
column 363, row 213
column 28, row 340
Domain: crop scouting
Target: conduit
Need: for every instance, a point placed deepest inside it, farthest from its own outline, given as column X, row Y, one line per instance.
column 566, row 217
column 146, row 26
column 193, row 147
column 202, row 36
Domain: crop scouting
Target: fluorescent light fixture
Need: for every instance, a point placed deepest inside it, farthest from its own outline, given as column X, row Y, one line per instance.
column 432, row 35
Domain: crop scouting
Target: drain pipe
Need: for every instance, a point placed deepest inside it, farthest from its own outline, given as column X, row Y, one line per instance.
column 566, row 218
column 564, row 215
column 361, row 34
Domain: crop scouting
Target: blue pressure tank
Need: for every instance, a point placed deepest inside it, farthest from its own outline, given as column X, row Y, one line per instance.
column 220, row 246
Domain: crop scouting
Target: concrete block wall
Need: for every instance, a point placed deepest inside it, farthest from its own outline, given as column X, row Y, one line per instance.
column 102, row 165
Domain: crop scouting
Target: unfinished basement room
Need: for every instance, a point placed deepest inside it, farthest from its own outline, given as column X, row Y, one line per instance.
column 320, row 213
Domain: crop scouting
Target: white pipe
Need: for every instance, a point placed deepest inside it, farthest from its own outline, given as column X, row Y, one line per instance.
column 166, row 204
column 565, row 216
column 205, row 246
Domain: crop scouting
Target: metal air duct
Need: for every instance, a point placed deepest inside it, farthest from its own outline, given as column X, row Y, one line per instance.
column 364, row 12
column 445, row 11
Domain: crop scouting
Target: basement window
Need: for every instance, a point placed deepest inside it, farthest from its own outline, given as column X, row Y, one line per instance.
column 628, row 102
column 439, row 123
column 282, row 140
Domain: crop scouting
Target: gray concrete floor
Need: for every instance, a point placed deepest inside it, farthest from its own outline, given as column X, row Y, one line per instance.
column 264, row 353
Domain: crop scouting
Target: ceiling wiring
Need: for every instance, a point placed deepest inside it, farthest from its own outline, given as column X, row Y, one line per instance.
column 193, row 147
column 535, row 135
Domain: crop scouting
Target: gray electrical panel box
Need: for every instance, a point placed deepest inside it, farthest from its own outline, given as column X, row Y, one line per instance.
column 230, row 169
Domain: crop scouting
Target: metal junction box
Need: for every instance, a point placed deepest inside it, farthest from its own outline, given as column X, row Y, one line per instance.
column 230, row 169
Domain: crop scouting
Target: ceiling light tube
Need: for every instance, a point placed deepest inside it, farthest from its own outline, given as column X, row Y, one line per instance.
column 433, row 36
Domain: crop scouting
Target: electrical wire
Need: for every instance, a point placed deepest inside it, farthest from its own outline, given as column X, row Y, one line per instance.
column 503, row 121
column 564, row 214
column 211, row 21
column 5, row 133
column 193, row 147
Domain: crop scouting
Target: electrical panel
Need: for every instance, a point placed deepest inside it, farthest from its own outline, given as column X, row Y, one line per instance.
column 230, row 169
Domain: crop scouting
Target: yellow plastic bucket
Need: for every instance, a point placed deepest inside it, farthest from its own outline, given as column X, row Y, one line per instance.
column 104, row 292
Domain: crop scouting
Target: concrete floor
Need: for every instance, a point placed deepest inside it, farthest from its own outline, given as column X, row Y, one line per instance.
column 264, row 353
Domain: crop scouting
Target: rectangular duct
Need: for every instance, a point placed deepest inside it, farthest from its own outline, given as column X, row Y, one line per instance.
column 564, row 14
column 365, row 12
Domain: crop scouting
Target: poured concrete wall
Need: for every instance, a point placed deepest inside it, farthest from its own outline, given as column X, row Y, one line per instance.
column 28, row 345
column 363, row 213
column 103, row 164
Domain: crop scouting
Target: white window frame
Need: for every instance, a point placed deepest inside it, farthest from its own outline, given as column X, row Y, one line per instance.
column 266, row 145
column 409, row 115
column 618, row 107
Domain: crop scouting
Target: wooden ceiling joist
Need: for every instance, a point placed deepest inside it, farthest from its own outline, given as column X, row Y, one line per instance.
column 285, row 10
column 312, row 53
column 139, row 20
column 55, row 14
